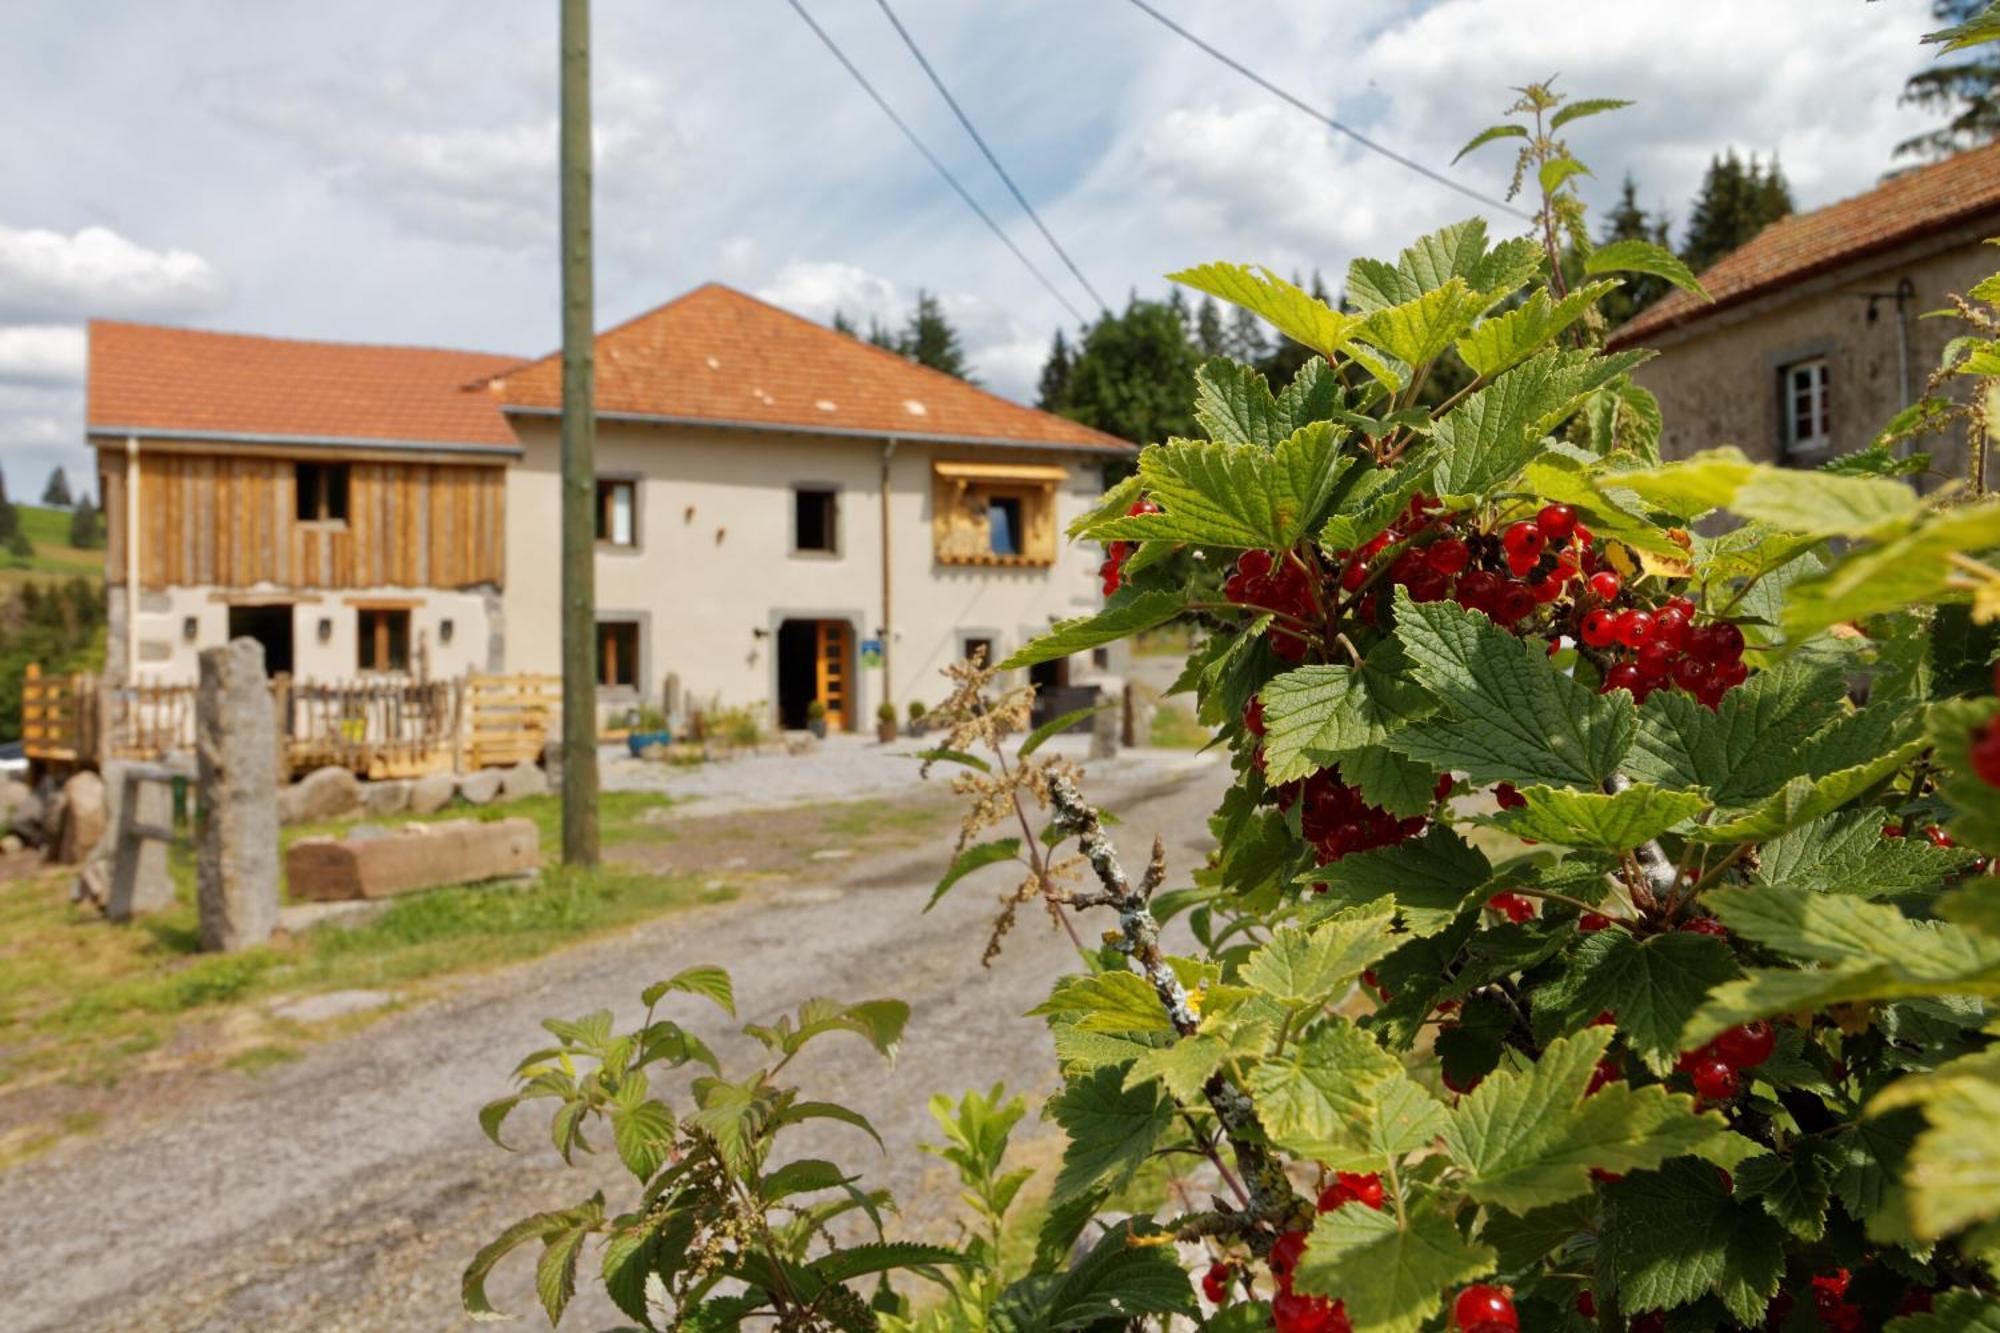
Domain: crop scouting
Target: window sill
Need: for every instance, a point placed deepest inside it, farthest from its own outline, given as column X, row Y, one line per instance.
column 322, row 524
column 996, row 561
column 619, row 548
column 808, row 554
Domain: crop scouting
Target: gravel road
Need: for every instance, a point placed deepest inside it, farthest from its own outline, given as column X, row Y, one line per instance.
column 347, row 1190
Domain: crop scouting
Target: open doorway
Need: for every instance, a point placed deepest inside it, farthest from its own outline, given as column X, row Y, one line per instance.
column 270, row 625
column 815, row 661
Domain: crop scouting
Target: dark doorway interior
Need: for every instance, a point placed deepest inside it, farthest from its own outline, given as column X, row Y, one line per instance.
column 270, row 626
column 798, row 678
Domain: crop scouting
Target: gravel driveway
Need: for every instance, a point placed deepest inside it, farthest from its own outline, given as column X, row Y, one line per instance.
column 347, row 1190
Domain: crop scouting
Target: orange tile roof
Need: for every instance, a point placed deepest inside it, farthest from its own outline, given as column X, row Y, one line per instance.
column 145, row 377
column 1901, row 209
column 716, row 354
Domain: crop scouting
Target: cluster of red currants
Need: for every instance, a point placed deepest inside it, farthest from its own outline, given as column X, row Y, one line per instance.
column 1335, row 818
column 1483, row 1308
column 1717, row 1068
column 1986, row 745
column 1294, row 1312
column 1529, row 565
column 1112, row 571
column 1663, row 647
column 1274, row 583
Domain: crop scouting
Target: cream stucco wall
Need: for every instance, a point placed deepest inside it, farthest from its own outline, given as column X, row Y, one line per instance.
column 166, row 655
column 1717, row 380
column 714, row 574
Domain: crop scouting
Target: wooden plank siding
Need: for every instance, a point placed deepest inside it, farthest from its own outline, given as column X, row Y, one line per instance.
column 231, row 522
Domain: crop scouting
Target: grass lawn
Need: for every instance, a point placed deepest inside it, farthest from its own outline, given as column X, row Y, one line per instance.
column 54, row 558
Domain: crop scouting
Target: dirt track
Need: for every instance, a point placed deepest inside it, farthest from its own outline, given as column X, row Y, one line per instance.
column 347, row 1190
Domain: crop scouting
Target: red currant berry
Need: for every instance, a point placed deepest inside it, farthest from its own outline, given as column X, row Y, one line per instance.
column 1516, row 908
column 1284, row 1259
column 1635, row 628
column 1461, row 1089
column 1608, row 1070
column 1605, row 586
column 1479, row 1305
column 1986, row 754
column 1714, row 1080
column 1557, row 522
column 1605, row 1019
column 1448, row 556
column 1215, row 1283
column 1523, row 540
column 1253, row 716
column 1624, row 676
column 1584, row 536
column 1291, row 1313
column 1650, row 1322
column 1599, row 628
column 1508, row 797
column 1670, row 628
column 1747, row 1046
column 1143, row 506
column 1516, row 602
column 1586, row 1305
column 1717, row 643
column 1478, row 590
column 1692, row 674
column 1937, row 837
column 1592, row 922
column 1655, row 659
column 1352, row 1187
column 1603, row 1177
column 1705, row 925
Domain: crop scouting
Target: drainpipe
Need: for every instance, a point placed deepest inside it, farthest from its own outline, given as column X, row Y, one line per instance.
column 131, row 559
column 888, row 621
column 1906, row 292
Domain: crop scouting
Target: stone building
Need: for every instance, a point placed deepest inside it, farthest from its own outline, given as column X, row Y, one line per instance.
column 1814, row 339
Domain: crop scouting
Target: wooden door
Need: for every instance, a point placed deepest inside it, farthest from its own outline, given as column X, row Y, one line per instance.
column 832, row 651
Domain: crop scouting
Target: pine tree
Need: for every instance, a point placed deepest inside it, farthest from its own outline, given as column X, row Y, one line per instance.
column 1627, row 221
column 1737, row 200
column 930, row 340
column 10, row 519
column 1209, row 338
column 1245, row 340
column 842, row 324
column 56, row 493
column 86, row 526
column 880, row 336
column 1966, row 90
column 1054, row 387
column 1133, row 375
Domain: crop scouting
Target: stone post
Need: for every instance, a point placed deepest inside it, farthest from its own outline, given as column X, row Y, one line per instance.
column 236, row 854
column 139, row 879
column 1104, row 728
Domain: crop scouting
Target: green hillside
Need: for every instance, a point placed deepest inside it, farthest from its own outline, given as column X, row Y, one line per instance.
column 54, row 557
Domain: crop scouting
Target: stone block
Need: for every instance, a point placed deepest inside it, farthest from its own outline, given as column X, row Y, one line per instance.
column 136, row 880
column 83, row 819
column 523, row 780
column 323, row 794
column 432, row 793
column 479, row 788
column 379, row 800
column 236, row 751
column 418, row 856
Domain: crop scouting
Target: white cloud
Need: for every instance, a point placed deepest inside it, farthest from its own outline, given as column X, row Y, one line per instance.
column 96, row 271
column 42, row 353
column 819, row 288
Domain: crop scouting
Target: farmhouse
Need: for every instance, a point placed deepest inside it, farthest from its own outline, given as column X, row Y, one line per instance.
column 784, row 514
column 1815, row 337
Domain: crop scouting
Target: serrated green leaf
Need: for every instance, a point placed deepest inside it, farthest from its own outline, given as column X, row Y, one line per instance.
column 1897, row 571
column 1236, row 495
column 1306, row 968
column 1116, row 1001
column 1056, row 726
column 472, row 1286
column 1958, row 1311
column 1509, row 715
column 1745, row 749
column 1397, row 784
column 644, row 1135
column 1675, row 1235
column 1654, row 985
column 797, row 1112
column 1596, row 821
column 852, row 1261
column 1557, row 172
column 1391, row 1276
column 494, row 1114
column 1181, row 1067
column 1643, row 257
column 1953, row 1174
column 1234, row 405
column 1584, row 106
column 1848, row 853
column 1793, row 1188
column 1510, row 338
column 971, row 859
column 1496, row 432
column 1488, row 135
column 803, row 1175
column 1320, row 1090
column 630, row 1258
column 1120, row 620
column 1376, row 501
column 1315, row 713
column 1428, row 877
column 1079, row 1050
column 1804, row 799
column 1529, row 1138
column 1455, row 251
column 706, row 980
column 1289, row 309
column 1111, row 1131
column 555, row 1272
column 1419, row 330
column 1118, row 1282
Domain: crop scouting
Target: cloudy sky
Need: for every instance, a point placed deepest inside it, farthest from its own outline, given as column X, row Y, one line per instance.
column 385, row 171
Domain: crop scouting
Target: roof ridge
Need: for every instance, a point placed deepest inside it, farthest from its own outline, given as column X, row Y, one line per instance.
column 183, row 330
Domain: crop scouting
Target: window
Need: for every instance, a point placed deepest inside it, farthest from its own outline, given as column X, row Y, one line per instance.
column 816, row 520
column 1803, row 401
column 977, row 643
column 1003, row 525
column 617, row 513
column 382, row 639
column 322, row 492
column 618, row 654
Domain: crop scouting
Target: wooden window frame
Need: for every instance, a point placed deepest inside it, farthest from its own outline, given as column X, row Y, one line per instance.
column 607, row 486
column 375, row 639
column 830, row 494
column 961, row 496
column 315, row 485
column 605, row 683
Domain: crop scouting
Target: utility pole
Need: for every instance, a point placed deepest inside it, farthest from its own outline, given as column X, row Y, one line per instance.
column 579, row 442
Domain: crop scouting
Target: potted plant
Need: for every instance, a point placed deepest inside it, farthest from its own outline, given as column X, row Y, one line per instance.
column 885, row 722
column 917, row 725
column 646, row 729
column 816, row 719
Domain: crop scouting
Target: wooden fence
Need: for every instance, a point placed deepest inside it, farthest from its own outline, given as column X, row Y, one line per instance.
column 376, row 728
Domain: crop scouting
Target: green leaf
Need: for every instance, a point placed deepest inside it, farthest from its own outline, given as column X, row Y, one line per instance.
column 1512, row 337
column 1529, row 1138
column 1494, row 433
column 850, row 1262
column 1557, row 172
column 1488, row 135
column 1116, row 1001
column 1111, row 1131
column 1234, row 405
column 1182, row 1067
column 472, row 1286
column 645, row 1135
column 1643, row 257
column 1429, row 878
column 1594, row 821
column 1430, row 262
column 706, row 980
column 1510, row 716
column 494, row 1114
column 1419, row 330
column 1120, row 620
column 630, row 1257
column 803, row 1175
column 1391, row 1276
column 1654, row 985
column 1236, row 495
column 1377, row 500
column 1305, row 968
column 1953, row 1174
column 1675, row 1235
column 1315, row 713
column 1292, row 311
column 802, row 1111
column 971, row 859
column 1848, row 853
column 733, row 1116
column 1960, row 1310
column 1056, row 726
column 1401, row 786
column 1895, row 572
column 1749, row 746
column 1585, row 106
column 1118, row 1282
column 1805, row 798
column 1795, row 1188
column 940, row 755
column 555, row 1272
column 1320, row 1090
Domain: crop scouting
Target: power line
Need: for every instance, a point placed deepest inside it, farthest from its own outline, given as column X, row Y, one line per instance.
column 932, row 158
column 999, row 170
column 1330, row 122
